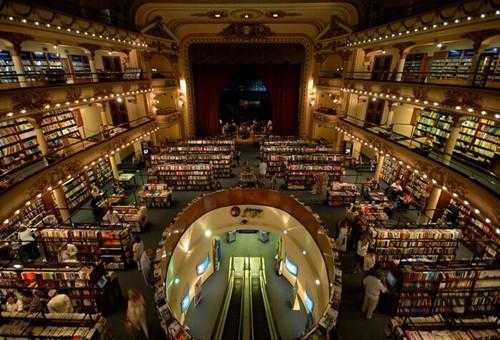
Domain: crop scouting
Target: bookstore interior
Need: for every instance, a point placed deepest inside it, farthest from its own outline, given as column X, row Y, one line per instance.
column 256, row 170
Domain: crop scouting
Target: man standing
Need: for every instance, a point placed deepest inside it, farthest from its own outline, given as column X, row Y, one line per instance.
column 373, row 288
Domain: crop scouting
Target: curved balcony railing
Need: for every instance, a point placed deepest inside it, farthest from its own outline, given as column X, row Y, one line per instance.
column 476, row 173
column 13, row 176
column 488, row 79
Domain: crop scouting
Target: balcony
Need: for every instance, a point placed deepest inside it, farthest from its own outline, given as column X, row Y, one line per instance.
column 481, row 176
column 488, row 80
column 57, row 156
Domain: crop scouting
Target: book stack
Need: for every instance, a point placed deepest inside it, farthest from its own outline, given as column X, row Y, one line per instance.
column 157, row 195
column 183, row 177
column 341, row 194
column 130, row 216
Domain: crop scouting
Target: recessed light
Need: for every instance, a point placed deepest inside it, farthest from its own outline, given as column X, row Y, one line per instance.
column 246, row 16
column 217, row 15
column 275, row 15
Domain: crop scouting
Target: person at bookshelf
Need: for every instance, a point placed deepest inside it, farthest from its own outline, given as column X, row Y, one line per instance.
column 136, row 312
column 262, row 170
column 362, row 251
column 145, row 263
column 373, row 288
column 59, row 303
column 29, row 248
column 13, row 303
column 35, row 301
column 406, row 201
column 137, row 250
column 69, row 253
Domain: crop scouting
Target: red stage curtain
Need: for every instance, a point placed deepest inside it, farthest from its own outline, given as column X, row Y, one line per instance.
column 283, row 82
column 209, row 83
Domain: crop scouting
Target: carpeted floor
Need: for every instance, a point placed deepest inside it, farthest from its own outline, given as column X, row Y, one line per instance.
column 351, row 325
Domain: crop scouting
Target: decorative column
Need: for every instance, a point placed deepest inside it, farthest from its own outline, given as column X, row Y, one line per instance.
column 390, row 116
column 380, row 163
column 137, row 150
column 432, row 202
column 478, row 44
column 60, row 200
column 356, row 149
column 337, row 141
column 17, row 39
column 452, row 140
column 40, row 136
column 114, row 166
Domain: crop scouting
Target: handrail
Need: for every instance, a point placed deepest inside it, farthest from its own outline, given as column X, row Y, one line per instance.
column 473, row 79
column 221, row 318
column 267, row 305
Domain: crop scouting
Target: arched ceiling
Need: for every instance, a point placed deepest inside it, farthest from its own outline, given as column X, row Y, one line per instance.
column 201, row 17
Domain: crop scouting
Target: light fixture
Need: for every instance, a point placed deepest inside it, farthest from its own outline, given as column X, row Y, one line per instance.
column 208, row 233
column 217, row 15
column 246, row 16
column 317, row 282
column 439, row 45
column 275, row 15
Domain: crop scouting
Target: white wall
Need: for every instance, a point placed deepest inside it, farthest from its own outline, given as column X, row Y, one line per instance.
column 403, row 115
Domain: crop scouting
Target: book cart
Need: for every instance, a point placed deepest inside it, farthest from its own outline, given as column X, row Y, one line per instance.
column 133, row 217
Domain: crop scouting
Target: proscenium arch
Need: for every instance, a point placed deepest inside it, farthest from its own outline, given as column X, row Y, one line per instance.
column 250, row 197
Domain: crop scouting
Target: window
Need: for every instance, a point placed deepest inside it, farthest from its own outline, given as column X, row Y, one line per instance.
column 202, row 266
column 186, row 300
column 308, row 303
column 291, row 266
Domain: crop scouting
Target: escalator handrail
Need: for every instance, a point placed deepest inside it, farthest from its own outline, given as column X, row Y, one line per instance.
column 269, row 314
column 221, row 318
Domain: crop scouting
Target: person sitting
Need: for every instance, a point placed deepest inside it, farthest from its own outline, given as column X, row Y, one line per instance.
column 13, row 303
column 59, row 303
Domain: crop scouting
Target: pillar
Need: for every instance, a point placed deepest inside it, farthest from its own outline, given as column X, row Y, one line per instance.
column 390, row 117
column 432, row 202
column 18, row 66
column 106, row 114
column 337, row 142
column 356, row 149
column 378, row 169
column 452, row 140
column 60, row 200
column 95, row 77
column 400, row 67
column 40, row 138
column 137, row 150
column 114, row 166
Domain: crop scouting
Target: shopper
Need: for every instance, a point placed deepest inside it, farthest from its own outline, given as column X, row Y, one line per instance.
column 373, row 288
column 145, row 264
column 69, row 253
column 137, row 250
column 13, row 303
column 35, row 304
column 362, row 251
column 29, row 248
column 237, row 157
column 59, row 303
column 136, row 312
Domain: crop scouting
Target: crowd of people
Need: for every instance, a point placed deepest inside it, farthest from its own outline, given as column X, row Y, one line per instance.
column 37, row 301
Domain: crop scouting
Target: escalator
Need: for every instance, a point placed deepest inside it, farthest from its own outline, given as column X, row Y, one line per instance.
column 246, row 312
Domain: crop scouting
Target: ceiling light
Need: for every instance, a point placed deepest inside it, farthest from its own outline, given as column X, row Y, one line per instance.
column 217, row 15
column 275, row 15
column 208, row 233
column 246, row 16
column 317, row 282
column 483, row 112
column 439, row 45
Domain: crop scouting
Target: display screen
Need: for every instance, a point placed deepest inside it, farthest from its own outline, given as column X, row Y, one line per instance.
column 186, row 300
column 291, row 266
column 308, row 303
column 202, row 266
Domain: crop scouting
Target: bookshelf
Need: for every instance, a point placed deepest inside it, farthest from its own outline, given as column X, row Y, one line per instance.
column 440, row 326
column 40, row 65
column 479, row 236
column 221, row 162
column 58, row 125
column 419, row 187
column 100, row 173
column 414, row 64
column 30, row 216
column 373, row 214
column 183, row 177
column 7, row 68
column 76, row 191
column 431, row 243
column 18, row 143
column 54, row 326
column 451, row 288
column 301, row 175
column 75, row 281
column 434, row 124
column 341, row 194
column 478, row 140
column 453, row 64
column 109, row 244
column 157, row 196
column 81, row 66
column 392, row 171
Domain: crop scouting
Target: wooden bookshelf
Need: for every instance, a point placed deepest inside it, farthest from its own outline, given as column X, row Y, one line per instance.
column 453, row 64
column 76, row 191
column 157, row 196
column 75, row 281
column 434, row 124
column 183, row 177
column 478, row 140
column 300, row 175
column 110, row 244
column 7, row 68
column 341, row 194
column 449, row 288
column 57, row 125
column 434, row 243
column 414, row 64
column 130, row 216
column 18, row 143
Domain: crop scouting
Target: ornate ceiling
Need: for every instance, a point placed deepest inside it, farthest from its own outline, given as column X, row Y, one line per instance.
column 201, row 17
